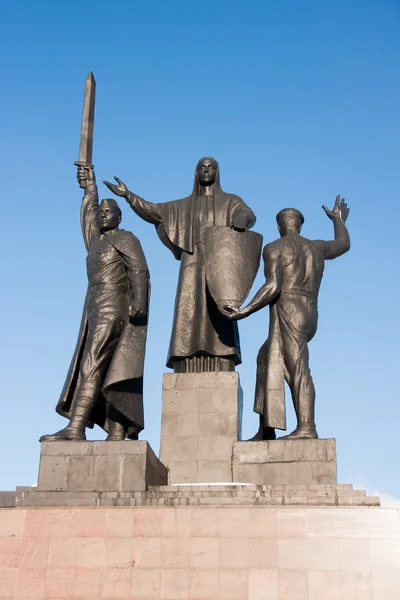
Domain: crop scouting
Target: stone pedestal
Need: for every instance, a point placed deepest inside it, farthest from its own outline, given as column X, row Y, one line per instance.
column 99, row 467
column 201, row 418
column 281, row 462
column 200, row 553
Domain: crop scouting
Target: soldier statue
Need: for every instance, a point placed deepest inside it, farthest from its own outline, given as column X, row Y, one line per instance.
column 104, row 384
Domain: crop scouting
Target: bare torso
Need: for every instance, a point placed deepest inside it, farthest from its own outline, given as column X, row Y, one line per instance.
column 302, row 263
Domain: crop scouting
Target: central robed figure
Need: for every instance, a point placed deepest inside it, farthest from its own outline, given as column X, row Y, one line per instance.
column 202, row 338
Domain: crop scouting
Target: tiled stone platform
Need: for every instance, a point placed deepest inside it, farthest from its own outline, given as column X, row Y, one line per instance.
column 200, row 553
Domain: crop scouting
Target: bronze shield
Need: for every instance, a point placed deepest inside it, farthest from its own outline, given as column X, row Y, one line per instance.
column 231, row 260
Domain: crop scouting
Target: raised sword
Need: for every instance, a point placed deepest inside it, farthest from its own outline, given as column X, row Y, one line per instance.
column 87, row 127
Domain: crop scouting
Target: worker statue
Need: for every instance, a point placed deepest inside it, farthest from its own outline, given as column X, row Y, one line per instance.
column 293, row 267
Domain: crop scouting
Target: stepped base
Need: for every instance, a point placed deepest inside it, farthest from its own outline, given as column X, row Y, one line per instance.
column 203, row 495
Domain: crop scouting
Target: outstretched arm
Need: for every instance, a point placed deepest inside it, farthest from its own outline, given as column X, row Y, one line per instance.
column 268, row 292
column 145, row 210
column 341, row 243
column 90, row 205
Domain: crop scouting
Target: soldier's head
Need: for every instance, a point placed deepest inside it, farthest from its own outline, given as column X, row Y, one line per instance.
column 207, row 171
column 290, row 220
column 109, row 215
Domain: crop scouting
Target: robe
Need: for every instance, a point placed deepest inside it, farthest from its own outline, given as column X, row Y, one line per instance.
column 198, row 326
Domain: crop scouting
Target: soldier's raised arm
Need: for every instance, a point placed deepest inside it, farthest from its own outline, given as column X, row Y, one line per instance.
column 90, row 204
column 145, row 210
column 341, row 243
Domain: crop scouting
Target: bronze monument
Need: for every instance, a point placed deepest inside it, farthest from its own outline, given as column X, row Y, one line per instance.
column 104, row 384
column 293, row 267
column 202, row 339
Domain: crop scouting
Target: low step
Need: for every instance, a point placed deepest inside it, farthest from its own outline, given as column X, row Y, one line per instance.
column 219, row 495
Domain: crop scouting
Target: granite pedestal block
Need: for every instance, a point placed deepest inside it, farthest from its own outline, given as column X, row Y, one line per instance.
column 281, row 462
column 201, row 418
column 125, row 466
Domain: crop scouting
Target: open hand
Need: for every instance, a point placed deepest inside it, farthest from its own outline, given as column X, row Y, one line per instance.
column 118, row 190
column 239, row 223
column 340, row 210
column 85, row 176
column 230, row 312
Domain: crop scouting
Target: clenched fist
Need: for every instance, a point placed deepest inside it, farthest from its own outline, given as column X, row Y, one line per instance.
column 85, row 176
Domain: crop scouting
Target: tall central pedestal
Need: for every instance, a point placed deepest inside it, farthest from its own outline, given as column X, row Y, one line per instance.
column 201, row 418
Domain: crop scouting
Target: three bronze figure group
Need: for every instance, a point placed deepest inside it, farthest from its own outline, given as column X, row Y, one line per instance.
column 208, row 232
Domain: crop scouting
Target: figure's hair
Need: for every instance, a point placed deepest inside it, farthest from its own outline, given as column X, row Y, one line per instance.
column 286, row 215
column 112, row 203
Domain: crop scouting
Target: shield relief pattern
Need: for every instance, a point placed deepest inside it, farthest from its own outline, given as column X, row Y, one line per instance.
column 231, row 259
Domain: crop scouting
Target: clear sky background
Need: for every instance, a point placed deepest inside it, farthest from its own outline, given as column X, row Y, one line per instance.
column 298, row 101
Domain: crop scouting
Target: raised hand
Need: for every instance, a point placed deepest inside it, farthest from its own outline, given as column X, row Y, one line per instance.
column 118, row 190
column 85, row 176
column 340, row 210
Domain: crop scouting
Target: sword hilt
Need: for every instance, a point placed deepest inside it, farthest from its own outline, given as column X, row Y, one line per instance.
column 80, row 163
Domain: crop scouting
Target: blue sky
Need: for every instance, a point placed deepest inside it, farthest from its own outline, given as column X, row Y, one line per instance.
column 298, row 101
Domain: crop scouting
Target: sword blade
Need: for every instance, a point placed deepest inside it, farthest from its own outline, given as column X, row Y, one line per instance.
column 87, row 127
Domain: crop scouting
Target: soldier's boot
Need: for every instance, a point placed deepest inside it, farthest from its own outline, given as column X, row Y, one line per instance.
column 116, row 432
column 116, row 425
column 76, row 429
column 68, row 433
column 303, row 431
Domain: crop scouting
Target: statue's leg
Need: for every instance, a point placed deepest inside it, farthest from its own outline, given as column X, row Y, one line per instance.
column 294, row 322
column 103, row 335
column 117, row 425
